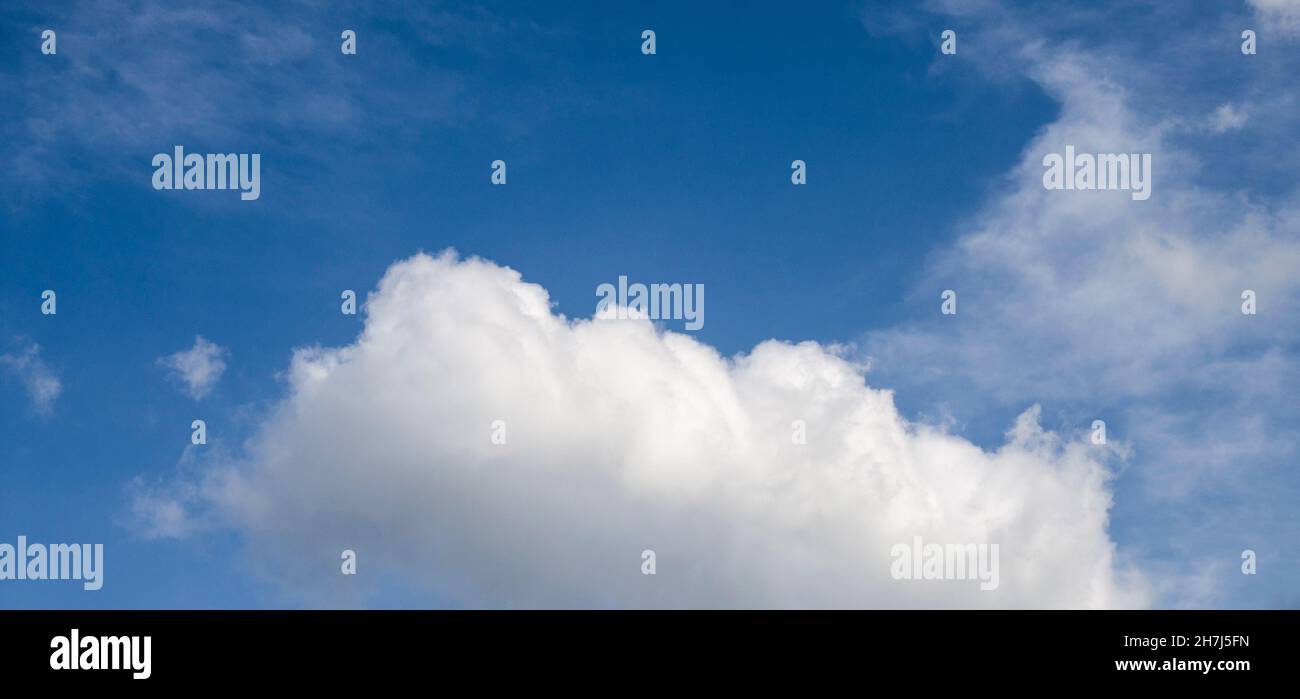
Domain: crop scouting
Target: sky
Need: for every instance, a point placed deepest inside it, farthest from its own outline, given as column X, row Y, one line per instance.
column 476, row 301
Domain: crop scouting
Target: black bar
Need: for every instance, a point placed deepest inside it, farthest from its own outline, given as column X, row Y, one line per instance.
column 656, row 648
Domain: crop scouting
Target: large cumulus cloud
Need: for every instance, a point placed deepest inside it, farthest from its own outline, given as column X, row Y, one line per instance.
column 622, row 437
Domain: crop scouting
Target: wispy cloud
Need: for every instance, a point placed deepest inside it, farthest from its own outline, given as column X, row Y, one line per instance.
column 246, row 77
column 27, row 366
column 1227, row 118
column 197, row 369
column 1102, row 307
column 115, row 89
column 1282, row 15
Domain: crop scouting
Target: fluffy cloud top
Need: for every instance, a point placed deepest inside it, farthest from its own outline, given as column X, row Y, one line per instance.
column 197, row 369
column 43, row 387
column 621, row 438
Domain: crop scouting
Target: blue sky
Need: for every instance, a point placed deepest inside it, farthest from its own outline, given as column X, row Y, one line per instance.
column 671, row 167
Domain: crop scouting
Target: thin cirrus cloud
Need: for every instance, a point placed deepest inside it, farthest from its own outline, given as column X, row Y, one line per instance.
column 113, row 92
column 197, row 369
column 622, row 438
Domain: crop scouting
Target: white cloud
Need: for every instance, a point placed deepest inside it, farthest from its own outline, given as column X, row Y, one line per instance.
column 43, row 387
column 1104, row 307
column 159, row 516
column 1284, row 15
column 619, row 439
column 1227, row 118
column 198, row 369
column 1103, row 294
